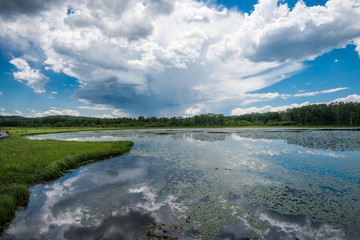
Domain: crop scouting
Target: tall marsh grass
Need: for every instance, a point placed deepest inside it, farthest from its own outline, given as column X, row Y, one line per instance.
column 10, row 199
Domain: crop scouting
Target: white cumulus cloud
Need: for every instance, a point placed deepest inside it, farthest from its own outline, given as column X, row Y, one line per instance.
column 15, row 113
column 116, row 113
column 34, row 78
column 267, row 108
column 350, row 98
column 249, row 98
column 170, row 57
column 99, row 107
column 357, row 44
column 53, row 111
column 194, row 110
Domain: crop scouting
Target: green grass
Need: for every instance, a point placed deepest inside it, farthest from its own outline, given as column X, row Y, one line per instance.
column 10, row 199
column 25, row 162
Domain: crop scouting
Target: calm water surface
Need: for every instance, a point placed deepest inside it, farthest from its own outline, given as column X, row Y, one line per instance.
column 204, row 184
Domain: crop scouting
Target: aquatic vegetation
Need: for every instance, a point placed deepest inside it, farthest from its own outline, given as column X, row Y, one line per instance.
column 159, row 230
column 223, row 184
column 210, row 196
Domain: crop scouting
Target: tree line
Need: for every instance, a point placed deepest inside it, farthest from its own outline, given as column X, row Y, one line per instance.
column 339, row 113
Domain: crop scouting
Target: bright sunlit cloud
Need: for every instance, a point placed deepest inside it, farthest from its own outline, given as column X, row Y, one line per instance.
column 54, row 111
column 170, row 57
column 350, row 98
column 267, row 108
column 34, row 78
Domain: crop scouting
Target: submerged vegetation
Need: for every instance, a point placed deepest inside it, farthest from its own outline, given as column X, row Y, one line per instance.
column 25, row 162
column 336, row 114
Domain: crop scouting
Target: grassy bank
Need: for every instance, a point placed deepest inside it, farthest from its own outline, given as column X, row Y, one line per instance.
column 25, row 162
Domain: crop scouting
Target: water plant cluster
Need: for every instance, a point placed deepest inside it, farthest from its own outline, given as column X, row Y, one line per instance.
column 210, row 184
column 214, row 192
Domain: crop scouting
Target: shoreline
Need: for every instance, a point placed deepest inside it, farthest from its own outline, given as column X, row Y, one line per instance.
column 15, row 194
column 25, row 163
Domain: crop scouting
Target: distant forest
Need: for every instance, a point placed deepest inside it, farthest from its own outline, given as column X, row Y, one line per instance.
column 338, row 114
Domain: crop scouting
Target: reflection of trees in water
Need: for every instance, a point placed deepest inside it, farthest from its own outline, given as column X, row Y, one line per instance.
column 334, row 139
column 177, row 170
column 179, row 134
column 337, row 140
column 206, row 137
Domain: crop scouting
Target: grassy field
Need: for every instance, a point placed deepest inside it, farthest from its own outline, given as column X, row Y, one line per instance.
column 25, row 162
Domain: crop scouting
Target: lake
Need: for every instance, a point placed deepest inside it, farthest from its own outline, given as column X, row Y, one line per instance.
column 236, row 183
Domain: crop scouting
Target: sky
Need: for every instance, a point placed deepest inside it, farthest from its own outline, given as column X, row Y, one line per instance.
column 130, row 58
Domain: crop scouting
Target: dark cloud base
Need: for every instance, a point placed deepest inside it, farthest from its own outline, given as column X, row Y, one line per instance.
column 32, row 7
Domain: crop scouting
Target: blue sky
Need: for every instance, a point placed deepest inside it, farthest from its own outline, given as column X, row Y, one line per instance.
column 176, row 57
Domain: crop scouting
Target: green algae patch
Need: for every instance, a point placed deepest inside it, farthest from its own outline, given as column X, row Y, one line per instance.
column 25, row 162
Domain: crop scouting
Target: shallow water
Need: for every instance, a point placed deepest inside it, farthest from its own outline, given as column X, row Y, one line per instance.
column 204, row 184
